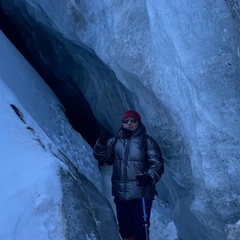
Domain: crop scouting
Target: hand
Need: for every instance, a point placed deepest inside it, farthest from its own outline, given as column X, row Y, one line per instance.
column 103, row 137
column 144, row 180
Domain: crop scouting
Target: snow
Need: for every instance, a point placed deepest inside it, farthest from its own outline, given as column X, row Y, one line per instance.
column 29, row 175
column 33, row 129
column 31, row 188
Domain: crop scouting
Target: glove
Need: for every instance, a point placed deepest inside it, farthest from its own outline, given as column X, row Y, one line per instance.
column 103, row 137
column 144, row 180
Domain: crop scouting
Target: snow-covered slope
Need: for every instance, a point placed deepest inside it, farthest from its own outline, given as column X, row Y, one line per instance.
column 43, row 191
column 31, row 195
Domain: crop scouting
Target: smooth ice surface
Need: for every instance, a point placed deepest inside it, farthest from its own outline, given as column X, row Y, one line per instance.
column 178, row 65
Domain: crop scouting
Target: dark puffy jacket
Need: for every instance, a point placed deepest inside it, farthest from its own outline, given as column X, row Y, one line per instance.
column 130, row 157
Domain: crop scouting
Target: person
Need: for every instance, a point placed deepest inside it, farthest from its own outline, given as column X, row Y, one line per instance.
column 137, row 166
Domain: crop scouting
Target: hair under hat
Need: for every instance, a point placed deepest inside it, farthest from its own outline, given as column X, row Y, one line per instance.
column 132, row 113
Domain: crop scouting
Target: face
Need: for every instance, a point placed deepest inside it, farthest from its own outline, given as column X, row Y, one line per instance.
column 130, row 123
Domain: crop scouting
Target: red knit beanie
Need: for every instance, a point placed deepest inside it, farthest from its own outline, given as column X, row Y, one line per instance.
column 132, row 113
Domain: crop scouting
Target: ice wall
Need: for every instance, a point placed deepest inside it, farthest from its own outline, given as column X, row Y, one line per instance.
column 178, row 65
column 43, row 194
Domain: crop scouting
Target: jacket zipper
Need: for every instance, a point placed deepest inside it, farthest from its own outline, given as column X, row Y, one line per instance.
column 125, row 165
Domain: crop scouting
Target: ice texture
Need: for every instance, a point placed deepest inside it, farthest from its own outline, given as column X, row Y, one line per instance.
column 178, row 65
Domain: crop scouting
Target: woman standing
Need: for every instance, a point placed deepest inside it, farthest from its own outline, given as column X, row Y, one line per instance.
column 137, row 167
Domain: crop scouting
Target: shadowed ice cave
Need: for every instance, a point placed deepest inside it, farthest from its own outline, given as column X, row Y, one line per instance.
column 177, row 65
column 76, row 106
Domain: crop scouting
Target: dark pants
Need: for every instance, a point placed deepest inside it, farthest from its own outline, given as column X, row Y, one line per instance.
column 130, row 217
